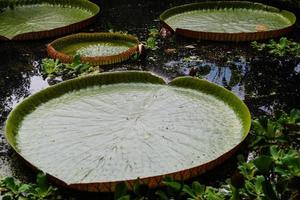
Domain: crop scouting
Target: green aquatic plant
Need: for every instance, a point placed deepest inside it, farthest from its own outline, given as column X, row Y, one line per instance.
column 94, row 48
column 23, row 20
column 53, row 67
column 228, row 20
column 284, row 47
column 50, row 67
column 151, row 41
column 284, row 130
column 77, row 66
column 12, row 189
column 90, row 107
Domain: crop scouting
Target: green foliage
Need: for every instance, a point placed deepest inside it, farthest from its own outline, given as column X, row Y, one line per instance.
column 151, row 42
column 196, row 191
column 50, row 67
column 16, row 190
column 53, row 68
column 284, row 47
column 77, row 66
column 283, row 131
column 121, row 192
column 269, row 175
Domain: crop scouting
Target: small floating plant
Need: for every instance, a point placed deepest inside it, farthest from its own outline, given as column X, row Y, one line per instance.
column 228, row 21
column 94, row 48
column 30, row 20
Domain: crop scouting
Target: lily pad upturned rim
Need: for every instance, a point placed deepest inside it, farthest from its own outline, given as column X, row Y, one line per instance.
column 97, row 60
column 242, row 36
column 36, row 35
column 30, row 103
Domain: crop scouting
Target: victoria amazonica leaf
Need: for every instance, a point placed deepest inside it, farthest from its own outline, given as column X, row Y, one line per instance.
column 95, row 133
column 228, row 18
column 45, row 18
column 94, row 48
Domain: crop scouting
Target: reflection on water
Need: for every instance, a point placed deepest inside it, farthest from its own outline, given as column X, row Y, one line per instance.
column 18, row 79
column 273, row 84
column 230, row 74
column 14, row 82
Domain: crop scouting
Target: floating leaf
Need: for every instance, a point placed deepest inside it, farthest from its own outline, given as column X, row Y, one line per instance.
column 96, row 131
column 231, row 21
column 45, row 18
column 94, row 48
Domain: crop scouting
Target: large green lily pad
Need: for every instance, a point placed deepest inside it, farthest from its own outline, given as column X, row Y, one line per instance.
column 228, row 20
column 91, row 133
column 94, row 48
column 45, row 18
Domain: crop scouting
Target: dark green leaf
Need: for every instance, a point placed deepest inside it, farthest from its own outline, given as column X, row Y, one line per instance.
column 268, row 190
column 162, row 195
column 187, row 190
column 259, row 185
column 263, row 163
column 198, row 188
column 213, row 195
column 7, row 197
column 140, row 189
column 10, row 184
column 177, row 186
column 126, row 197
column 25, row 188
column 120, row 191
column 42, row 182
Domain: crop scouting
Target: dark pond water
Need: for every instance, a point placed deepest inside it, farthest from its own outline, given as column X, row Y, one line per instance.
column 265, row 84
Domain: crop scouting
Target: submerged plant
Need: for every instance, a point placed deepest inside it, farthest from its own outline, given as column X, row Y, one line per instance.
column 284, row 47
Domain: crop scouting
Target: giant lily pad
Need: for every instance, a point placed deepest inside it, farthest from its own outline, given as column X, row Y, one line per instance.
column 93, row 132
column 228, row 20
column 94, row 48
column 23, row 20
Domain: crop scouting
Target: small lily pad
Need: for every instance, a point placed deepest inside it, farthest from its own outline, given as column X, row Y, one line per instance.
column 94, row 48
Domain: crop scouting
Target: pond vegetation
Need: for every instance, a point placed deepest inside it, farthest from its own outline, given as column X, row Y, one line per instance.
column 23, row 20
column 265, row 74
column 284, row 47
